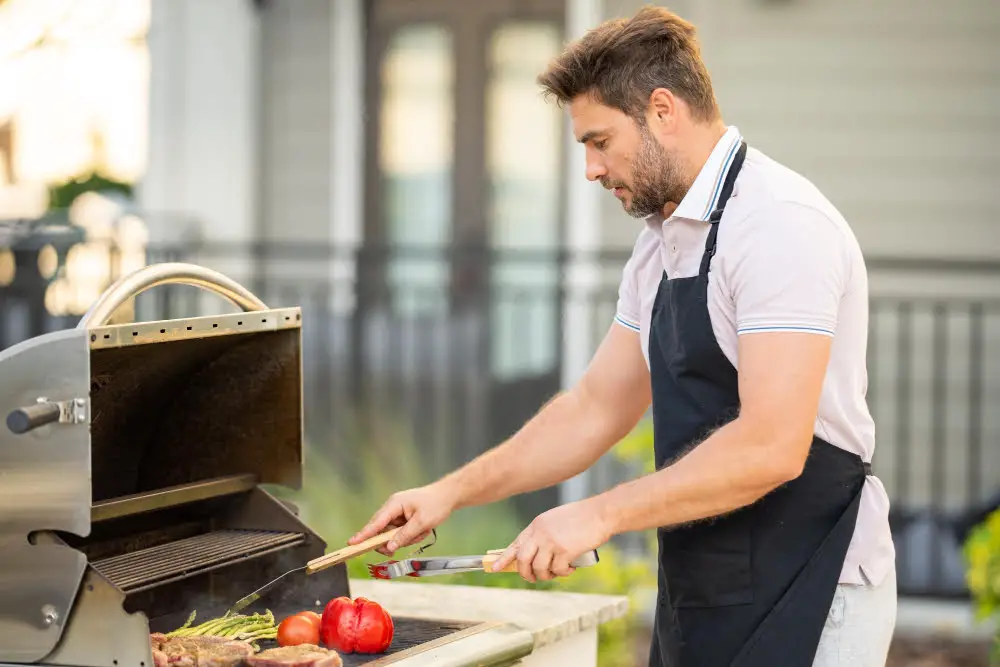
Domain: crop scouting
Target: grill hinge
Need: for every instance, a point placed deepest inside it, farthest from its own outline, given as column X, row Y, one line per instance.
column 73, row 411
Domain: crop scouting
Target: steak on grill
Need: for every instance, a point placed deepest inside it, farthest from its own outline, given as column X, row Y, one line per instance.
column 303, row 655
column 199, row 651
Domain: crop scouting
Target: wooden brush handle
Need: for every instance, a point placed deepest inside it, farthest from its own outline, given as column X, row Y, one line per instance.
column 346, row 553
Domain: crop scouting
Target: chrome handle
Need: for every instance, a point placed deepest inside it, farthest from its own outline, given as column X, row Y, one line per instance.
column 25, row 419
column 154, row 275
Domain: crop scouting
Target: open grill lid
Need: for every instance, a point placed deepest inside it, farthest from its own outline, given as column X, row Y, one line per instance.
column 102, row 418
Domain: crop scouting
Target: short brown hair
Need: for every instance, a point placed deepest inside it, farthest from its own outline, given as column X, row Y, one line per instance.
column 622, row 61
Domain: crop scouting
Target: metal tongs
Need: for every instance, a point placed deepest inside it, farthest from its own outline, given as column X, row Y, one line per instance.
column 321, row 563
column 437, row 565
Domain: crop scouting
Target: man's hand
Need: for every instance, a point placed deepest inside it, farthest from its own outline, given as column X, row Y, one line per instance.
column 555, row 538
column 417, row 511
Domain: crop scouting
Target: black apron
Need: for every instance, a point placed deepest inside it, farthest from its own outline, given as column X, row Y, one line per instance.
column 752, row 588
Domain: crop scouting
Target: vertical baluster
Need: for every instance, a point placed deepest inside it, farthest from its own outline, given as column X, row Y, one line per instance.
column 903, row 443
column 975, row 460
column 939, row 414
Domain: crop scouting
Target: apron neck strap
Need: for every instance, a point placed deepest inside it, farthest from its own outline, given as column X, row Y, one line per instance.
column 716, row 216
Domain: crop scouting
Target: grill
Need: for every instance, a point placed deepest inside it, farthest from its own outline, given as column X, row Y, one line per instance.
column 144, row 569
column 133, row 486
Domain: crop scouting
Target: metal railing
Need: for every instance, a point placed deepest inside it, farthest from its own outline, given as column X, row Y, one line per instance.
column 454, row 350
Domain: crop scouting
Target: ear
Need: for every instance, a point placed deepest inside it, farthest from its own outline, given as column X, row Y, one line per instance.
column 662, row 108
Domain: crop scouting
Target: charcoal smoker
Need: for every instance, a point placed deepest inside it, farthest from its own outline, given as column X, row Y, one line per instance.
column 131, row 465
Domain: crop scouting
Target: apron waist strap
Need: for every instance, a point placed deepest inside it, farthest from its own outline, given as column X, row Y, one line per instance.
column 867, row 467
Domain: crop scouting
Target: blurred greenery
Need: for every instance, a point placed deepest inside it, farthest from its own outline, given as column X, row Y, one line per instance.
column 336, row 500
column 982, row 554
column 61, row 195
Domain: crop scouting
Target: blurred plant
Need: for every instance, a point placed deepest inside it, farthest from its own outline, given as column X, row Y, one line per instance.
column 337, row 499
column 636, row 450
column 62, row 195
column 982, row 554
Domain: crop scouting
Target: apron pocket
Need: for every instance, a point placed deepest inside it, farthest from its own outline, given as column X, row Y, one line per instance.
column 708, row 568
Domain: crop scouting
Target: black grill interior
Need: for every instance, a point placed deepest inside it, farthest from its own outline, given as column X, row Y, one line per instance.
column 175, row 412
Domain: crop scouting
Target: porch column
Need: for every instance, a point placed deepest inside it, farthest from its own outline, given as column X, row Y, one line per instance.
column 583, row 240
column 203, row 125
column 347, row 155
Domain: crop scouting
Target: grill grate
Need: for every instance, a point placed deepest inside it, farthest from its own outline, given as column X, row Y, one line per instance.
column 408, row 633
column 154, row 566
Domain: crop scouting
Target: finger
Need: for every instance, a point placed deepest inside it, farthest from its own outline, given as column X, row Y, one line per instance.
column 409, row 533
column 384, row 549
column 561, row 566
column 506, row 558
column 541, row 564
column 525, row 555
column 395, row 523
column 387, row 513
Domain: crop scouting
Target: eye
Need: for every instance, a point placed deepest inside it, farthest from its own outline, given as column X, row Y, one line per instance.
column 600, row 144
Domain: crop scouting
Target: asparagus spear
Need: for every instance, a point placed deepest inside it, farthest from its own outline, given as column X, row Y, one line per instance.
column 229, row 626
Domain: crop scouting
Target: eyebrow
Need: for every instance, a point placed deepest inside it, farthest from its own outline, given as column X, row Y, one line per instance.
column 587, row 136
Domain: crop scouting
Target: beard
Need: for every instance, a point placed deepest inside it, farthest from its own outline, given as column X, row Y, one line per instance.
column 657, row 178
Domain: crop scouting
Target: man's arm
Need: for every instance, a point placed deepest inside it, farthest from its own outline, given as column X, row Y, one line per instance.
column 569, row 433
column 787, row 267
column 565, row 438
column 780, row 381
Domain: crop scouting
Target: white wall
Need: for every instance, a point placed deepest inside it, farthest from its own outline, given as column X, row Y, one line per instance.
column 891, row 108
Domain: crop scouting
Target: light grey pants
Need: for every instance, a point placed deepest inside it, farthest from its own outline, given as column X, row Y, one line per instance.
column 860, row 625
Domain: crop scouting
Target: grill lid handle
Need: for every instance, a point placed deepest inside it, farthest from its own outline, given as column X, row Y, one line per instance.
column 22, row 420
column 45, row 411
column 166, row 273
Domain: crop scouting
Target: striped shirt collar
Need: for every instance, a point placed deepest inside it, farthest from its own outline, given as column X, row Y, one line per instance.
column 703, row 196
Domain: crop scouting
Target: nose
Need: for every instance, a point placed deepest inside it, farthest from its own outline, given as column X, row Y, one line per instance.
column 595, row 167
column 595, row 170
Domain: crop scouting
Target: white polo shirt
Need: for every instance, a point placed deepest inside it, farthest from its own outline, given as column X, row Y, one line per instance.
column 786, row 260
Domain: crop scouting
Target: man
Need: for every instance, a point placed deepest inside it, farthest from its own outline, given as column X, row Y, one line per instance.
column 742, row 319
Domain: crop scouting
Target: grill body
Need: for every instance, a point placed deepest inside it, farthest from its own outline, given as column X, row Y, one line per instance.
column 131, row 473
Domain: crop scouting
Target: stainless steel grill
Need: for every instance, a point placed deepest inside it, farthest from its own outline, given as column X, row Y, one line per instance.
column 144, row 569
column 131, row 473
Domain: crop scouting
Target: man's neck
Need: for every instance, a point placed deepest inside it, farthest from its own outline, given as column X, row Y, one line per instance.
column 702, row 141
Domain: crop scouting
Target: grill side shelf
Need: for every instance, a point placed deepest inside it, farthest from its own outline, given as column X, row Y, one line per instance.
column 165, row 563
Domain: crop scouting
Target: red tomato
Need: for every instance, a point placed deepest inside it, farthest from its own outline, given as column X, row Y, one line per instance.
column 356, row 626
column 296, row 630
column 312, row 617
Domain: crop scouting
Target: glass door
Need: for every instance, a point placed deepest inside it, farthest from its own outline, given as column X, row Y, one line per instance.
column 464, row 192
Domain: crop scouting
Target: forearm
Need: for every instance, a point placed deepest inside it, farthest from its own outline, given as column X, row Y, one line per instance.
column 563, row 439
column 733, row 468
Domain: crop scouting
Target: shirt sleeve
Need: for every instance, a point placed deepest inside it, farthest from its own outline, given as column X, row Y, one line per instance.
column 789, row 271
column 627, row 313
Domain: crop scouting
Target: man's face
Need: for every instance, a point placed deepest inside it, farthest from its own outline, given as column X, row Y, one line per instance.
column 626, row 158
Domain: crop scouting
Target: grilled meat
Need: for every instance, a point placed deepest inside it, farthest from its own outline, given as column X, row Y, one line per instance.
column 160, row 658
column 303, row 655
column 227, row 654
column 199, row 651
